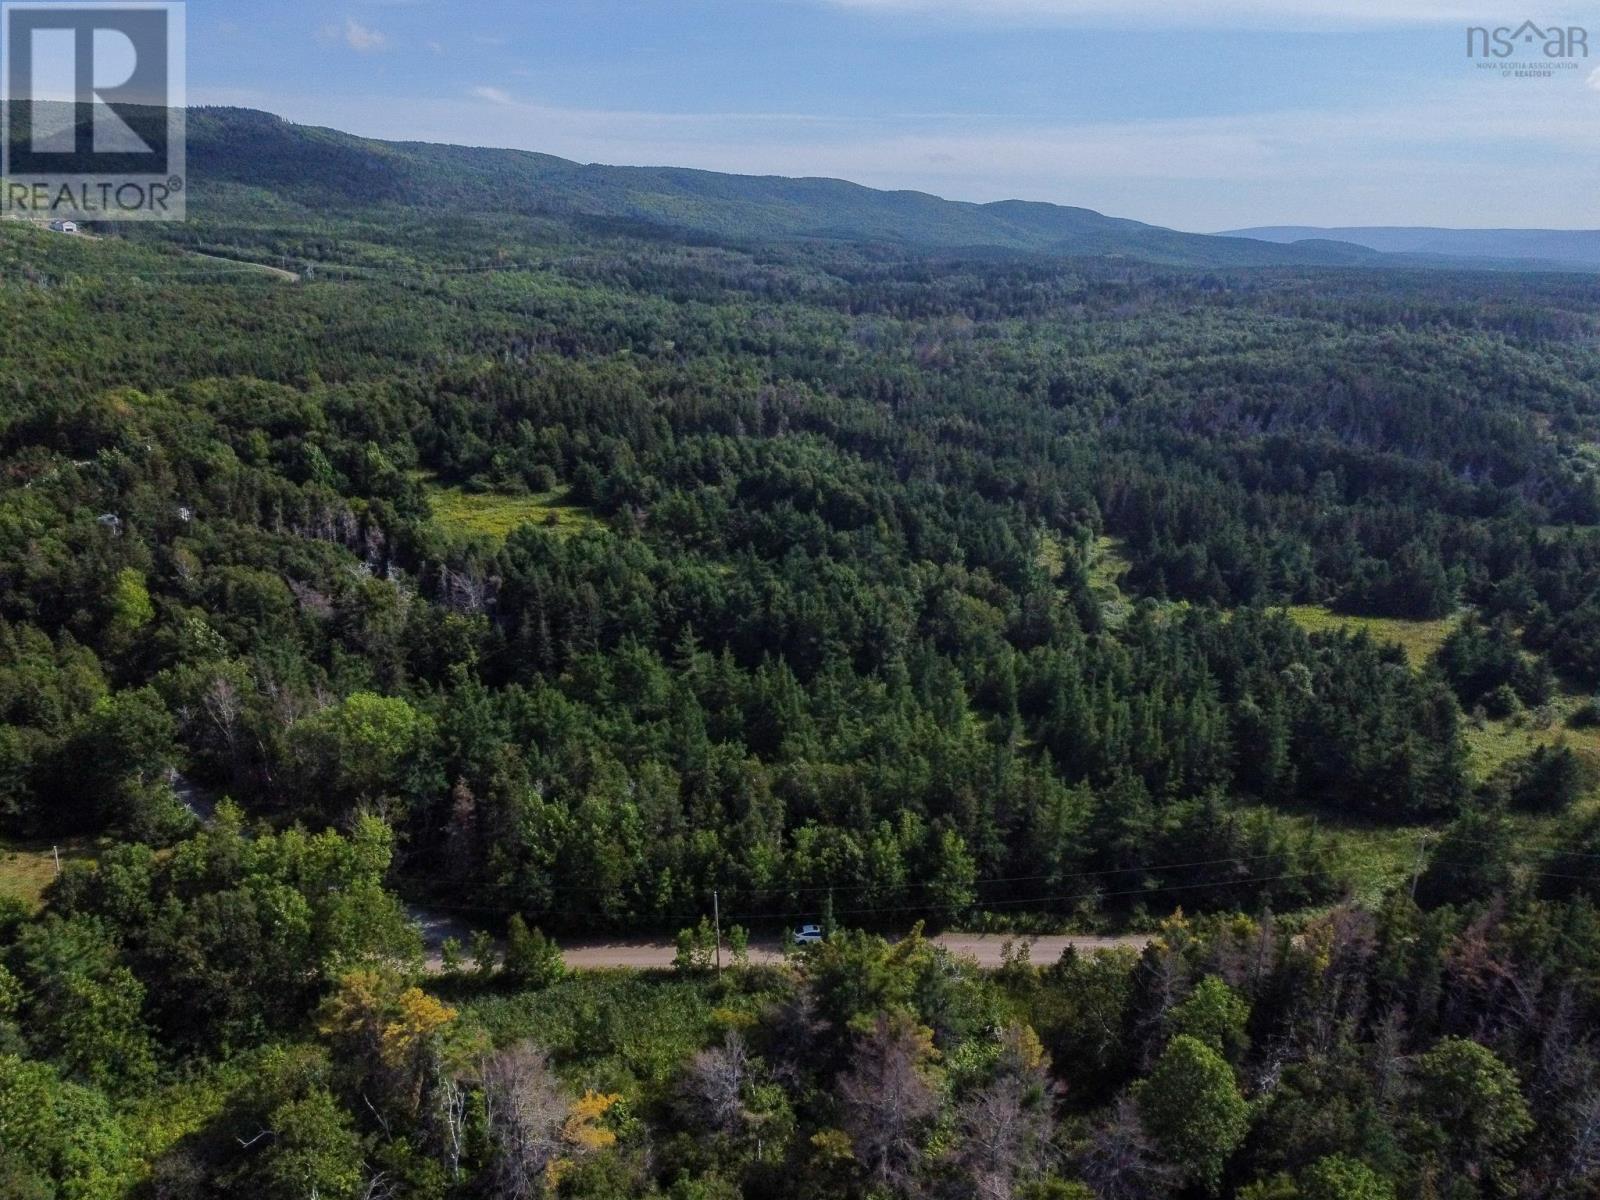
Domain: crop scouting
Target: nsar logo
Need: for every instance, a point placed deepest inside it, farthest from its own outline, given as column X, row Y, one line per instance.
column 1553, row 41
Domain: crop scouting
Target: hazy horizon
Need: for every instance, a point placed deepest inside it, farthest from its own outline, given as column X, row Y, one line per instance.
column 1301, row 114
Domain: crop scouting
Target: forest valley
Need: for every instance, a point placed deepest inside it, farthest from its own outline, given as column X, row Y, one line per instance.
column 555, row 572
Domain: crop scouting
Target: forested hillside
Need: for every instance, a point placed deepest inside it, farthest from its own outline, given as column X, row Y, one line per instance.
column 327, row 169
column 556, row 573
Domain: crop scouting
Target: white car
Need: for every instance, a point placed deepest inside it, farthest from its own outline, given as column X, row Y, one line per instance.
column 808, row 935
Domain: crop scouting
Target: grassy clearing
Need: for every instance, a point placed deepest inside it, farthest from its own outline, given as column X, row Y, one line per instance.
column 1380, row 859
column 1108, row 564
column 1376, row 859
column 245, row 266
column 1493, row 743
column 1052, row 556
column 1419, row 639
column 26, row 869
column 496, row 514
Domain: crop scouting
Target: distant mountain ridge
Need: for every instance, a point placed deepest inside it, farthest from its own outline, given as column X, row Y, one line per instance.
column 236, row 153
column 323, row 166
column 1564, row 247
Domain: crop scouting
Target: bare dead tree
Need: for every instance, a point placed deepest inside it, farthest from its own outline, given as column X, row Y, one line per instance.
column 525, row 1106
column 224, row 708
column 1353, row 940
column 1121, row 1163
column 1489, row 987
column 1164, row 980
column 450, row 1120
column 793, row 1029
column 465, row 592
column 312, row 602
column 1003, row 1137
column 712, row 1090
column 1261, row 955
column 1388, row 1057
column 886, row 1101
column 1580, row 1170
column 1565, row 1058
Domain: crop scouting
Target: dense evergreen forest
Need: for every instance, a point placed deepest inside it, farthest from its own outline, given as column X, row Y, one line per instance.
column 554, row 572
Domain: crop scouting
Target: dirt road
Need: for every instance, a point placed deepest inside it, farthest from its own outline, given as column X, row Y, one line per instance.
column 985, row 947
column 594, row 955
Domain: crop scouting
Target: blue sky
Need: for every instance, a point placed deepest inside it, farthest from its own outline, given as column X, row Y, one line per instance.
column 1195, row 114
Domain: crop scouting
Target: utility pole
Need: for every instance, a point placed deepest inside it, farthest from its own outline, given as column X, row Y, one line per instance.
column 1422, row 858
column 716, row 918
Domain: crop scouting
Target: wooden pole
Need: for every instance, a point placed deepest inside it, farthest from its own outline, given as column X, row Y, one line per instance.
column 716, row 918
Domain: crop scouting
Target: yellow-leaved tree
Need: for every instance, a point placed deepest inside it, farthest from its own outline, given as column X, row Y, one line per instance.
column 386, row 1030
column 583, row 1133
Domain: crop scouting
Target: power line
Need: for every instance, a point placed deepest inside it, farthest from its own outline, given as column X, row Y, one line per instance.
column 902, row 909
column 1589, row 878
column 1548, row 851
column 861, row 887
column 1368, row 873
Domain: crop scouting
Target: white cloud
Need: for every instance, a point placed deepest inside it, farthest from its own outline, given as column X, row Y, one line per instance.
column 495, row 95
column 363, row 39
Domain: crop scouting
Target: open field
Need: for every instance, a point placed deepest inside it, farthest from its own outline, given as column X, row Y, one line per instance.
column 1419, row 639
column 26, row 869
column 1493, row 743
column 496, row 514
